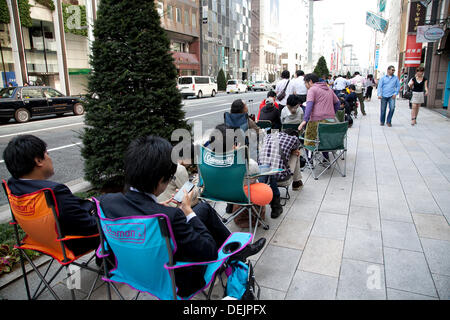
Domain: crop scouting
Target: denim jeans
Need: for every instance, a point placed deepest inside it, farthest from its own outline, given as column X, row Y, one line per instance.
column 384, row 103
column 273, row 183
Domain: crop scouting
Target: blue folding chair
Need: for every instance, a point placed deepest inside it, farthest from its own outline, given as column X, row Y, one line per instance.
column 236, row 120
column 144, row 246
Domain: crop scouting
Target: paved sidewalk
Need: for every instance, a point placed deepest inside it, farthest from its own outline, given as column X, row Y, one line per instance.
column 382, row 232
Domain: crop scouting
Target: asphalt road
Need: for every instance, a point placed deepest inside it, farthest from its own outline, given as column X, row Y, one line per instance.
column 62, row 134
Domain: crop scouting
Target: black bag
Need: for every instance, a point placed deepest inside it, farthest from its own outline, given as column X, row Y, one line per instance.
column 253, row 290
column 282, row 94
column 408, row 95
column 302, row 162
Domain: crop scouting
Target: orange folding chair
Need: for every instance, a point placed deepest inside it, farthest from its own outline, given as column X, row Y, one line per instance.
column 37, row 214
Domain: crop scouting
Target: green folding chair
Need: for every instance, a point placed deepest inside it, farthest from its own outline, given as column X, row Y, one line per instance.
column 286, row 126
column 332, row 138
column 264, row 124
column 223, row 177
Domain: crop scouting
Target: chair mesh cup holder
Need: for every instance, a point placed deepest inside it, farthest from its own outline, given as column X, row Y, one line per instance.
column 231, row 247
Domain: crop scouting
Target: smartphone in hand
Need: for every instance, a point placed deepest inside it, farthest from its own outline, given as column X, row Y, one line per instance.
column 188, row 186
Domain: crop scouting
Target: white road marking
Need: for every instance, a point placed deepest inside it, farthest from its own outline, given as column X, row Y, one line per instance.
column 39, row 130
column 207, row 114
column 58, row 148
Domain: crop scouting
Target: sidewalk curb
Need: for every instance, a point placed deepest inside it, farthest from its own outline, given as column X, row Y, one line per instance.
column 79, row 185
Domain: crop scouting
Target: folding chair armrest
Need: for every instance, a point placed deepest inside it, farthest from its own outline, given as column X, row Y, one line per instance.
column 240, row 239
column 268, row 173
column 99, row 253
column 309, row 140
column 78, row 237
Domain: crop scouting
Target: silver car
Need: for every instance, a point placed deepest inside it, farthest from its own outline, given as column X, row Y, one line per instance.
column 263, row 85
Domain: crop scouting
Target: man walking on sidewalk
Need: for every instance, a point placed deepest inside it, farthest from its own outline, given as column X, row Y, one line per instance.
column 358, row 82
column 388, row 88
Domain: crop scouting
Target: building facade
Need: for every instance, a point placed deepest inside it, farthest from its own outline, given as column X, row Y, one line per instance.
column 225, row 37
column 266, row 40
column 181, row 20
column 50, row 46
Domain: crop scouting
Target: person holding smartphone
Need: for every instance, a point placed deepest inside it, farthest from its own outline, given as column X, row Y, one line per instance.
column 198, row 230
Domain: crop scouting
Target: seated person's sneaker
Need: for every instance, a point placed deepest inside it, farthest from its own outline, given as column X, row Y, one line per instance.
column 296, row 185
column 250, row 250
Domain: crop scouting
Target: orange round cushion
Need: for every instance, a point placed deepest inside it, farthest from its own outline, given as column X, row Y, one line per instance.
column 261, row 194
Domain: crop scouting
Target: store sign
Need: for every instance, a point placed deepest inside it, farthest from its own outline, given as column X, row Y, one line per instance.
column 429, row 33
column 376, row 22
column 377, row 57
column 205, row 15
column 417, row 15
column 413, row 53
column 381, row 5
column 213, row 40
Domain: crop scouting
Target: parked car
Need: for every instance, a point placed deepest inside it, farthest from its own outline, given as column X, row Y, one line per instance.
column 23, row 103
column 197, row 86
column 249, row 84
column 237, row 86
column 263, row 85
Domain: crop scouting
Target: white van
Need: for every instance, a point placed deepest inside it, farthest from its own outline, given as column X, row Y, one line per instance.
column 237, row 86
column 197, row 86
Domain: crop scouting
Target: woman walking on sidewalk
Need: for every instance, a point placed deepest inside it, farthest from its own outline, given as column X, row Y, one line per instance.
column 369, row 84
column 419, row 88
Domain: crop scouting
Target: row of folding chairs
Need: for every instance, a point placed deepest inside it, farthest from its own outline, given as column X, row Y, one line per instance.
column 331, row 140
column 140, row 249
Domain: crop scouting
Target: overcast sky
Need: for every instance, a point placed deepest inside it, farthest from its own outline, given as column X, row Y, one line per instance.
column 353, row 13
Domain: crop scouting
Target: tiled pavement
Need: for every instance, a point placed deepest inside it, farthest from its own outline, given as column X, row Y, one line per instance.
column 382, row 232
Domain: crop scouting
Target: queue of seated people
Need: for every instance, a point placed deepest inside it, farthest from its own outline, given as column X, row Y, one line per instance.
column 152, row 178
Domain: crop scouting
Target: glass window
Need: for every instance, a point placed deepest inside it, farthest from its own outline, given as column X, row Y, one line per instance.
column 6, row 93
column 186, row 17
column 178, row 12
column 29, row 93
column 232, row 82
column 169, row 12
column 52, row 93
column 201, row 80
column 187, row 80
column 194, row 20
column 160, row 8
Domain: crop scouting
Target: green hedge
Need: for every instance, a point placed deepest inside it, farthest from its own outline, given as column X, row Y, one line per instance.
column 25, row 14
column 47, row 3
column 67, row 14
column 4, row 12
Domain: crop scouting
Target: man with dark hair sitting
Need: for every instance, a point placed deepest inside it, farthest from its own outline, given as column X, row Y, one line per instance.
column 198, row 231
column 281, row 151
column 352, row 100
column 270, row 94
column 27, row 160
column 270, row 113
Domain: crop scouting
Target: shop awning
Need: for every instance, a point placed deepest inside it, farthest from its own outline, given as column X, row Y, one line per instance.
column 185, row 58
column 74, row 71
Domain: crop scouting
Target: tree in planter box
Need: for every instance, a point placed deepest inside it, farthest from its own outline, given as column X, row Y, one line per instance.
column 132, row 90
column 221, row 81
column 321, row 69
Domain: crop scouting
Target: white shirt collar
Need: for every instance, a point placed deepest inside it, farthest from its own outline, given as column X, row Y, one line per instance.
column 151, row 195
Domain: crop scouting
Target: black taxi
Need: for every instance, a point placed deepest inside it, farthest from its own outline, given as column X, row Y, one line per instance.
column 23, row 103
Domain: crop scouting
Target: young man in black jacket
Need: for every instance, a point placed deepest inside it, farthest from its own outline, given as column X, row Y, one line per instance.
column 198, row 231
column 271, row 113
column 27, row 160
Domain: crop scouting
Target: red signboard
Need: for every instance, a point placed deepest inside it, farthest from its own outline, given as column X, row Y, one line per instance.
column 413, row 53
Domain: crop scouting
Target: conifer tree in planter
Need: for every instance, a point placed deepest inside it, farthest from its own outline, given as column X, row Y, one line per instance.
column 221, row 81
column 321, row 68
column 132, row 90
